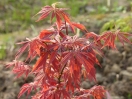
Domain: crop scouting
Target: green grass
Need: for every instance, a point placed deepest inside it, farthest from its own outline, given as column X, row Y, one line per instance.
column 18, row 14
column 14, row 13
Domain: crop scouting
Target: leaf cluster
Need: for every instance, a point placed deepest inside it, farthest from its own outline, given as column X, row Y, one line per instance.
column 63, row 59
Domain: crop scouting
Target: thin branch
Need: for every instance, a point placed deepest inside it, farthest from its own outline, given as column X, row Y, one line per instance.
column 66, row 28
column 59, row 78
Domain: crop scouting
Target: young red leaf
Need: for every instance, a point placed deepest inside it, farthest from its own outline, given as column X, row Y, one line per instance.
column 80, row 26
column 59, row 13
column 45, row 12
column 19, row 68
column 40, row 62
column 22, row 49
column 45, row 34
column 109, row 38
column 27, row 88
column 122, row 37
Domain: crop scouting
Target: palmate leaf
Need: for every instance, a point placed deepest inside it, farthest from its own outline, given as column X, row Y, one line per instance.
column 122, row 36
column 33, row 46
column 27, row 88
column 19, row 68
column 109, row 38
column 58, row 13
column 53, row 93
column 97, row 92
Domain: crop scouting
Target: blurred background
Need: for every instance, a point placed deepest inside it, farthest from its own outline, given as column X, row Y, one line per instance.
column 17, row 23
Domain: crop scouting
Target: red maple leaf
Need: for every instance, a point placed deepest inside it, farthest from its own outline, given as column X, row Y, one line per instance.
column 58, row 13
column 109, row 38
column 19, row 68
column 27, row 88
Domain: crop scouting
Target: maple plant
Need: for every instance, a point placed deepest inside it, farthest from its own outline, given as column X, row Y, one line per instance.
column 63, row 58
